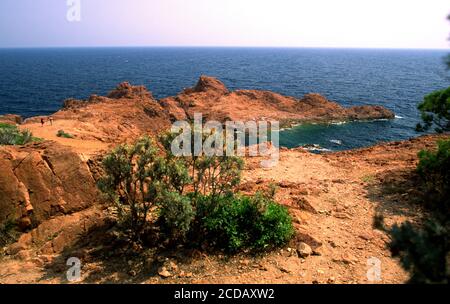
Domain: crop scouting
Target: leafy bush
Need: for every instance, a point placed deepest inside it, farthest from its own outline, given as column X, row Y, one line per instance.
column 190, row 196
column 176, row 215
column 133, row 182
column 209, row 175
column 434, row 170
column 63, row 134
column 435, row 111
column 11, row 135
column 423, row 251
column 236, row 223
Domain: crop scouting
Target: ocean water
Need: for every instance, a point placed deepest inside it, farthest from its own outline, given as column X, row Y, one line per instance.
column 36, row 81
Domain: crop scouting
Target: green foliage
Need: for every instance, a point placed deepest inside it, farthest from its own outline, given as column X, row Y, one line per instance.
column 6, row 126
column 191, row 197
column 209, row 175
column 63, row 134
column 216, row 175
column 134, row 180
column 424, row 252
column 11, row 135
column 434, row 170
column 176, row 215
column 435, row 111
column 237, row 223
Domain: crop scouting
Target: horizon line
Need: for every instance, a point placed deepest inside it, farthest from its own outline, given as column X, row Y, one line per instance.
column 223, row 46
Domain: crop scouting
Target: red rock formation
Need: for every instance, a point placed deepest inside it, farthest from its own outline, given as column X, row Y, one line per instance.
column 126, row 90
column 211, row 98
column 41, row 181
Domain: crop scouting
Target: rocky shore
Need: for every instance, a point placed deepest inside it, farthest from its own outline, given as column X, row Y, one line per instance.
column 49, row 190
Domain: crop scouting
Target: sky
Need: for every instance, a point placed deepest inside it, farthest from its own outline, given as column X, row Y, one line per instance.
column 255, row 23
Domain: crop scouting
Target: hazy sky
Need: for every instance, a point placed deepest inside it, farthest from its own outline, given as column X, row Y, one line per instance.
column 295, row 23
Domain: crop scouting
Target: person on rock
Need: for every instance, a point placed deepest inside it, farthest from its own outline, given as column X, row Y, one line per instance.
column 42, row 122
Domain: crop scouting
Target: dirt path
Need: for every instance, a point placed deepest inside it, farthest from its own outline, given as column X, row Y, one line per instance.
column 83, row 142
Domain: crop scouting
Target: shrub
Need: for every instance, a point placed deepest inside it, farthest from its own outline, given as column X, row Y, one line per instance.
column 11, row 135
column 176, row 215
column 236, row 223
column 190, row 196
column 63, row 134
column 133, row 182
column 209, row 175
column 434, row 171
column 423, row 251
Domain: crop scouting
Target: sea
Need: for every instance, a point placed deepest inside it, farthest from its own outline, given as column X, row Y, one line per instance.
column 37, row 81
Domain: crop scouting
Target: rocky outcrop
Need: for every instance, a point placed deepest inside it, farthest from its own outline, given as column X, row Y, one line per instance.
column 126, row 90
column 208, row 85
column 11, row 119
column 211, row 98
column 40, row 181
column 127, row 113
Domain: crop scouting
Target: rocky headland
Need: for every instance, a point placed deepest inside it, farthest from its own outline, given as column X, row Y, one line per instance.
column 48, row 189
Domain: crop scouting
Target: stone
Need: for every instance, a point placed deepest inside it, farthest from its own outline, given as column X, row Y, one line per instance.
column 173, row 266
column 304, row 250
column 305, row 205
column 163, row 272
column 342, row 215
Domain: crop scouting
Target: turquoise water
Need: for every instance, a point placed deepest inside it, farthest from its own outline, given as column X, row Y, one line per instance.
column 338, row 137
column 36, row 81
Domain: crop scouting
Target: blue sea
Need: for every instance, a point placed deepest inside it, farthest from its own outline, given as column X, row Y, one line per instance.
column 36, row 81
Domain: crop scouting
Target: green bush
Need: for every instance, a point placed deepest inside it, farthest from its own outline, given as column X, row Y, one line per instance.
column 209, row 175
column 424, row 252
column 435, row 111
column 133, row 182
column 236, row 223
column 191, row 197
column 63, row 134
column 11, row 135
column 176, row 215
column 434, row 171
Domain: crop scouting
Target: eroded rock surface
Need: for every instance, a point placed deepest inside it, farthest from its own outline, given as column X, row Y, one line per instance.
column 41, row 181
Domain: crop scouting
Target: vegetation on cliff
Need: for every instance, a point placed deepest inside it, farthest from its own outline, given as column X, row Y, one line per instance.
column 11, row 135
column 435, row 111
